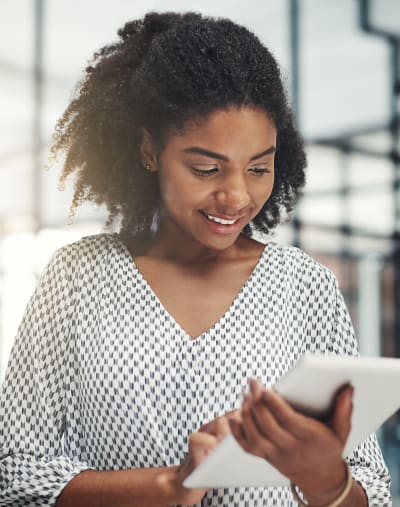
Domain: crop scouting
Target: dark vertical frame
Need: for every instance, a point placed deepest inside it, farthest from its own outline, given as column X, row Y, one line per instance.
column 294, row 24
column 391, row 435
column 344, row 228
column 37, row 130
column 393, row 42
column 395, row 156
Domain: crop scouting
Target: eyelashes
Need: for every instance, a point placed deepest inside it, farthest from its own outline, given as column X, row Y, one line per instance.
column 209, row 172
column 260, row 170
column 204, row 172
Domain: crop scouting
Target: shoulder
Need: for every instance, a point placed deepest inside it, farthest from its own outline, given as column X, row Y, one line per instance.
column 88, row 255
column 90, row 248
column 298, row 267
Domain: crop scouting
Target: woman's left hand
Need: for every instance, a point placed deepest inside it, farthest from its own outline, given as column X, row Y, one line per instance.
column 305, row 450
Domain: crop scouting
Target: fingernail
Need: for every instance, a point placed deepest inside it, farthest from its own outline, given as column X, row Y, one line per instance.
column 253, row 383
column 267, row 394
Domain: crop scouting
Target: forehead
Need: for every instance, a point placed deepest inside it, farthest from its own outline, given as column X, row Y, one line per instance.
column 227, row 130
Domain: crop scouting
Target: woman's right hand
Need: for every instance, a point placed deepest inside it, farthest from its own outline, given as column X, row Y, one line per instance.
column 201, row 443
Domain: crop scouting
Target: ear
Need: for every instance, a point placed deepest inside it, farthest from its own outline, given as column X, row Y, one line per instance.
column 147, row 150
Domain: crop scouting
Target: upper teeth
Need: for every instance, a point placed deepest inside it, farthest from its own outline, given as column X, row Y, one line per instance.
column 221, row 220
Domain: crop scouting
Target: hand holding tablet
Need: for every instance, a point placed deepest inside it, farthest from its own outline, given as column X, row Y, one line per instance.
column 311, row 387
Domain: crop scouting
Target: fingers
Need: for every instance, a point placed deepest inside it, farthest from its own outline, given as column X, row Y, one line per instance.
column 267, row 425
column 258, row 432
column 269, row 422
column 255, row 388
column 340, row 421
column 288, row 418
column 234, row 415
column 200, row 445
column 219, row 427
column 261, row 432
column 297, row 445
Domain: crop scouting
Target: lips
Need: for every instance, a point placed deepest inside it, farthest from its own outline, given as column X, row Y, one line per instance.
column 221, row 219
column 222, row 225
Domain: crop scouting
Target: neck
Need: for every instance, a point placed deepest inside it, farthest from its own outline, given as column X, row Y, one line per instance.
column 169, row 243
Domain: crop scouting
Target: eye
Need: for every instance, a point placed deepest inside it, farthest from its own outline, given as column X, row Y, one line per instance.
column 203, row 173
column 259, row 170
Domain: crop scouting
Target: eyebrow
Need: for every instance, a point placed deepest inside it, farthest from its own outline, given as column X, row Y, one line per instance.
column 212, row 154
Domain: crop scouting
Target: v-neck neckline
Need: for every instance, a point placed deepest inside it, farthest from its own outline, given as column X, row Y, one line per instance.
column 172, row 319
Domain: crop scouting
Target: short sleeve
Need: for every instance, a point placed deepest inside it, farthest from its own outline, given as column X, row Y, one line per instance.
column 33, row 468
column 366, row 461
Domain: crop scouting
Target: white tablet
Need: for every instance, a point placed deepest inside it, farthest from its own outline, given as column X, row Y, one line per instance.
column 310, row 386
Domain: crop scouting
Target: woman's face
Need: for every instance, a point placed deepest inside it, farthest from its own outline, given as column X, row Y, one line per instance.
column 216, row 176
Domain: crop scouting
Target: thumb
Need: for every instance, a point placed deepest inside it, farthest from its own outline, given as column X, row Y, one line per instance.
column 340, row 421
column 201, row 444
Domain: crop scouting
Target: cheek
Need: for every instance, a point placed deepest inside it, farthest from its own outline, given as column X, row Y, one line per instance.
column 262, row 192
column 271, row 185
column 169, row 193
column 170, row 187
column 180, row 193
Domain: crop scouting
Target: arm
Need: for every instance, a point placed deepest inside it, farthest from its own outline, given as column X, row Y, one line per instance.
column 152, row 487
column 366, row 461
column 307, row 451
column 33, row 469
column 332, row 333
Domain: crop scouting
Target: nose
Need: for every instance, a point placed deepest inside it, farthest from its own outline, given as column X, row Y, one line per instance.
column 232, row 194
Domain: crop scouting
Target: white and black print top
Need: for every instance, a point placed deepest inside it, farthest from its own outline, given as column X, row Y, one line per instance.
column 102, row 377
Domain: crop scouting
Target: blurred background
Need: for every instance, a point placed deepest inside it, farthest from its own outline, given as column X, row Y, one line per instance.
column 341, row 65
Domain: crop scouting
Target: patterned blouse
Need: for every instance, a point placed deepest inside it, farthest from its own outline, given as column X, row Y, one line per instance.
column 102, row 377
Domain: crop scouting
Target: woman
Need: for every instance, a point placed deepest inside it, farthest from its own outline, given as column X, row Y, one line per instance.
column 134, row 351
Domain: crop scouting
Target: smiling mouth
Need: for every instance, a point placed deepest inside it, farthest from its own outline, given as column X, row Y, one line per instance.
column 219, row 220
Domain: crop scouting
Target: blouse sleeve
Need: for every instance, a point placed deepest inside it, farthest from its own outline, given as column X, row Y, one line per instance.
column 33, row 469
column 366, row 461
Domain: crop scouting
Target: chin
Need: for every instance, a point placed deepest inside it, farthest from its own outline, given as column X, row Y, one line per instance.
column 221, row 245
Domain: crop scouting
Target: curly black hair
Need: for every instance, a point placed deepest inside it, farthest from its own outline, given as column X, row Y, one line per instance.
column 166, row 70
